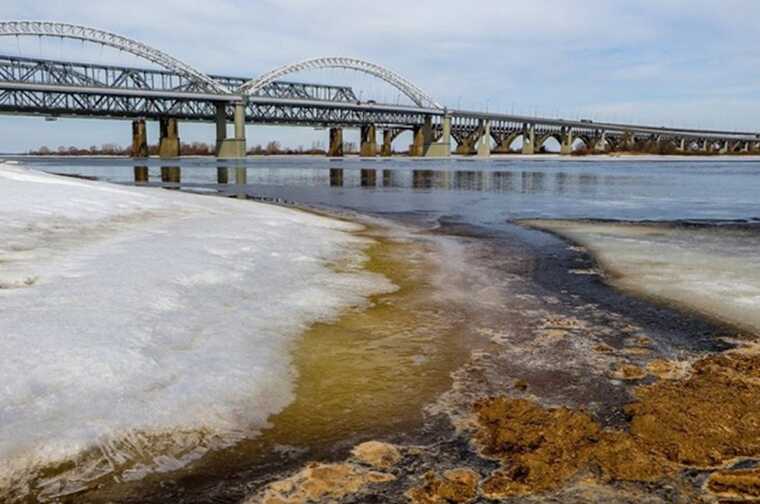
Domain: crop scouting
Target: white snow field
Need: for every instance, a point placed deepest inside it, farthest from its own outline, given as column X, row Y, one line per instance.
column 141, row 327
column 714, row 270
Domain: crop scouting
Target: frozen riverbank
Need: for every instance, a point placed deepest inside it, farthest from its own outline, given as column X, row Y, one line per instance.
column 143, row 327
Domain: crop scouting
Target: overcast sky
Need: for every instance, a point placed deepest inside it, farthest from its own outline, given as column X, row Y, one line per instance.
column 664, row 62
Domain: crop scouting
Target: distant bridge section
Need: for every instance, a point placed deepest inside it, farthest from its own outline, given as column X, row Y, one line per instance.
column 178, row 92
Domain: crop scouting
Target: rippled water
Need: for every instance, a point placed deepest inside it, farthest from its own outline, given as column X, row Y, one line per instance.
column 484, row 192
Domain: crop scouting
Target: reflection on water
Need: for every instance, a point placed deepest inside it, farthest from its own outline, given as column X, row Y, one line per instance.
column 479, row 192
column 171, row 176
column 492, row 181
column 222, row 175
column 141, row 175
column 368, row 178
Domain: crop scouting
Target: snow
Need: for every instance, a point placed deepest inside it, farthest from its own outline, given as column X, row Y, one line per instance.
column 141, row 327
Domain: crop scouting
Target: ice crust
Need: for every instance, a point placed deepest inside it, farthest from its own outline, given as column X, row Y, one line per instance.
column 714, row 270
column 141, row 327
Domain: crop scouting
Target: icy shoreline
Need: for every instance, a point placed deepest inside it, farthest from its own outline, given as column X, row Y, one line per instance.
column 142, row 327
column 710, row 269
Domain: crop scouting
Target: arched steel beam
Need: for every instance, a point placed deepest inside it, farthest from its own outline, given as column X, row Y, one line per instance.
column 87, row 34
column 419, row 97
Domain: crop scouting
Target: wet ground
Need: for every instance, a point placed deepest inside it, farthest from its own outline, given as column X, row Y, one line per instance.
column 542, row 336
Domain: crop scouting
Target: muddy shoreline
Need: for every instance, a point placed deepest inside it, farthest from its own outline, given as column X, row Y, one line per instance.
column 548, row 335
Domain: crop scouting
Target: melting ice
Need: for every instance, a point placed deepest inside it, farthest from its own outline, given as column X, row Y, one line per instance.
column 712, row 269
column 141, row 327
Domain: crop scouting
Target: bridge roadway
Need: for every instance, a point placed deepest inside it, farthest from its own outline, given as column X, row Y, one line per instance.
column 51, row 88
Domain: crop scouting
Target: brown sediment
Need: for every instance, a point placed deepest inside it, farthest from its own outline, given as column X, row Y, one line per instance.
column 703, row 420
column 377, row 454
column 543, row 449
column 741, row 484
column 453, row 486
column 668, row 369
column 320, row 481
column 628, row 372
column 706, row 419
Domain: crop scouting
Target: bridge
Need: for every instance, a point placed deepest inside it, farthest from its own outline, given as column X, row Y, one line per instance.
column 178, row 92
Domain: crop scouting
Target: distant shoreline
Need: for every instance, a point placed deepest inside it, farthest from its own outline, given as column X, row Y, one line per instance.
column 454, row 157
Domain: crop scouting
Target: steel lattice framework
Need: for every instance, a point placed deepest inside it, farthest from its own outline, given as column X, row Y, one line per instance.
column 67, row 74
column 419, row 97
column 93, row 35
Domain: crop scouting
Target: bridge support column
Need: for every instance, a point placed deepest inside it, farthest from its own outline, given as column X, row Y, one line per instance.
column 417, row 148
column 529, row 139
column 369, row 141
column 169, row 144
column 566, row 147
column 221, row 125
column 600, row 143
column 484, row 142
column 724, row 148
column 336, row 143
column 682, row 145
column 466, row 145
column 442, row 146
column 231, row 148
column 387, row 149
column 139, row 139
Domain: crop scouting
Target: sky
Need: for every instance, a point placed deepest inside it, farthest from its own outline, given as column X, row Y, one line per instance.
column 689, row 63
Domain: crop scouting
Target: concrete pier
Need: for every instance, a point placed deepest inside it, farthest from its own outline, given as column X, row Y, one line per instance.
column 235, row 147
column 417, row 147
column 141, row 175
column 466, row 145
column 169, row 143
column 369, row 141
column 484, row 142
column 566, row 145
column 442, row 146
column 139, row 139
column 336, row 143
column 387, row 149
column 529, row 139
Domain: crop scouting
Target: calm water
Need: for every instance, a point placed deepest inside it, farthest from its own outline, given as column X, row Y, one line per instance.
column 473, row 191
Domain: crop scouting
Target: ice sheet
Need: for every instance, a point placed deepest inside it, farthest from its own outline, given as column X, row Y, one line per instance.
column 141, row 327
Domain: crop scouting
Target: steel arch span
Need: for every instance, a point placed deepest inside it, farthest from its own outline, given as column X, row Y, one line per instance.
column 419, row 97
column 87, row 34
